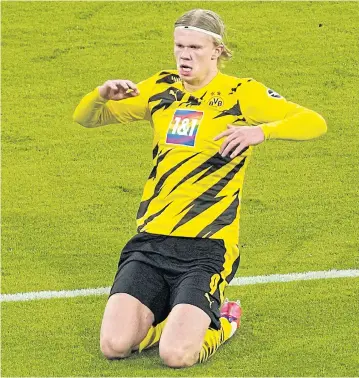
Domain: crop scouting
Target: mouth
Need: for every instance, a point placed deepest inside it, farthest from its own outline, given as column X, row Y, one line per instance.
column 185, row 69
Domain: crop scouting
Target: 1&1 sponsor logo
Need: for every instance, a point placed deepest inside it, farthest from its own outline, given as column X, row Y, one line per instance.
column 184, row 127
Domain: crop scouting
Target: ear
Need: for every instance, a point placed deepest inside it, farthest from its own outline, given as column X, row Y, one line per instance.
column 217, row 52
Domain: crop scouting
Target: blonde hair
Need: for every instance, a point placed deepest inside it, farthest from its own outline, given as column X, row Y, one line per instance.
column 210, row 21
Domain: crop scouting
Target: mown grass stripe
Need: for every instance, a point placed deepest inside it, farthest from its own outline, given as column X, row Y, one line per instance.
column 239, row 281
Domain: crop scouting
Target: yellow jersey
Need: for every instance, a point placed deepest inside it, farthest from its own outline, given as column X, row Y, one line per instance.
column 192, row 191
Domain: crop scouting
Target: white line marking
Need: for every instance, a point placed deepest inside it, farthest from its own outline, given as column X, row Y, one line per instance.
column 241, row 281
column 19, row 297
column 238, row 281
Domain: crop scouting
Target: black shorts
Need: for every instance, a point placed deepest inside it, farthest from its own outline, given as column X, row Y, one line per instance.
column 162, row 271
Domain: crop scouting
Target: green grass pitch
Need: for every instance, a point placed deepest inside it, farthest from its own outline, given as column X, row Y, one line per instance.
column 70, row 195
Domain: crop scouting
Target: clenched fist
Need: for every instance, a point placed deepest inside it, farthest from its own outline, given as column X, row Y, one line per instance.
column 118, row 90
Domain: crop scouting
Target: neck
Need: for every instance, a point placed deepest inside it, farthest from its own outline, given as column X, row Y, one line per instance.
column 200, row 82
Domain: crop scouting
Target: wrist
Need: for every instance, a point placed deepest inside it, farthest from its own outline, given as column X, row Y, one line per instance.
column 264, row 131
column 101, row 94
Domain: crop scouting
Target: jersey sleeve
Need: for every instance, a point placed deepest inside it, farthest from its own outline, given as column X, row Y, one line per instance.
column 277, row 117
column 94, row 111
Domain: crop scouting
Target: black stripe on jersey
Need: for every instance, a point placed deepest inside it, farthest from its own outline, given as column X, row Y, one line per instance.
column 208, row 198
column 240, row 152
column 217, row 161
column 155, row 151
column 151, row 218
column 195, row 101
column 153, row 173
column 202, row 97
column 234, row 90
column 191, row 101
column 170, row 78
column 224, row 219
column 240, row 119
column 211, row 165
column 164, row 73
column 235, row 110
column 167, row 98
column 144, row 204
column 234, row 269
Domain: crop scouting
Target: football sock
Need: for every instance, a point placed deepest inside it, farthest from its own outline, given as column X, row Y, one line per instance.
column 153, row 336
column 214, row 338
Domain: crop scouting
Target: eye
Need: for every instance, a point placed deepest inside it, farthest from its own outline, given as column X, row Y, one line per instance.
column 179, row 45
column 195, row 47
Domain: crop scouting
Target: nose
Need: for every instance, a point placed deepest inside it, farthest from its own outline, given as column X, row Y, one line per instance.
column 185, row 54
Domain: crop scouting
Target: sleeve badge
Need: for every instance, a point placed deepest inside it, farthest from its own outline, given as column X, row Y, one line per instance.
column 273, row 94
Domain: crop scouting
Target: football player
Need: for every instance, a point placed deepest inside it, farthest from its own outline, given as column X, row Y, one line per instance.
column 170, row 283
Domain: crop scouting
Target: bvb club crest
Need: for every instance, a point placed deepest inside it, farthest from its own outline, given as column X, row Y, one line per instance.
column 216, row 101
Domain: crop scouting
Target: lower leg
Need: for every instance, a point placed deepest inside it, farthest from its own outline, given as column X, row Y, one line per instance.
column 231, row 313
column 214, row 339
column 187, row 338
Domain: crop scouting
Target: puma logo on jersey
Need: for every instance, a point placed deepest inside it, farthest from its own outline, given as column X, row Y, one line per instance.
column 209, row 300
column 173, row 93
column 184, row 127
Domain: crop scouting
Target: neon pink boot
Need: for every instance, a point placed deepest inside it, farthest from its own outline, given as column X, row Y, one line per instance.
column 232, row 311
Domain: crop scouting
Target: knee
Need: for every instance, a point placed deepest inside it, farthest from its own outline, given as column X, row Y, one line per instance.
column 178, row 357
column 115, row 348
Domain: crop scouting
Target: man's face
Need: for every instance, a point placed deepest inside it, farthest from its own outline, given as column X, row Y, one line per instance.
column 195, row 54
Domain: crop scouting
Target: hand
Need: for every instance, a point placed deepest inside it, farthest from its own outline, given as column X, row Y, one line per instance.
column 118, row 90
column 239, row 138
